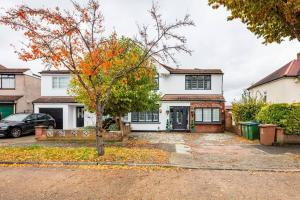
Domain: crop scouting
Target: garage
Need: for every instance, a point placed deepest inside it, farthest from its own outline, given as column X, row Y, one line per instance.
column 56, row 113
column 6, row 110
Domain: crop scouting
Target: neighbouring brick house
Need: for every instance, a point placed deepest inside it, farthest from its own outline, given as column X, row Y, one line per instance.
column 18, row 88
column 187, row 95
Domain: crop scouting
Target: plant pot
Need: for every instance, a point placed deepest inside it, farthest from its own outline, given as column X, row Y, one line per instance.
column 267, row 134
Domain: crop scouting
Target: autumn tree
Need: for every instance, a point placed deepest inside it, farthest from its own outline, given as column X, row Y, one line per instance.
column 272, row 20
column 133, row 92
column 74, row 40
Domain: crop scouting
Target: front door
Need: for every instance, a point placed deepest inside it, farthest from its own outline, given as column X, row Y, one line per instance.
column 79, row 116
column 179, row 118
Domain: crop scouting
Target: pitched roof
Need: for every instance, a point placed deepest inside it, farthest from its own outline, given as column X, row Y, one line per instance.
column 292, row 69
column 4, row 70
column 193, row 97
column 55, row 99
column 2, row 67
column 9, row 98
column 191, row 71
column 55, row 72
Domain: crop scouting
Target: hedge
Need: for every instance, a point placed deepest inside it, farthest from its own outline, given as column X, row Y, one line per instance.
column 247, row 108
column 284, row 115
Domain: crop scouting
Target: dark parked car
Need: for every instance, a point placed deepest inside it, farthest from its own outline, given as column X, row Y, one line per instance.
column 19, row 124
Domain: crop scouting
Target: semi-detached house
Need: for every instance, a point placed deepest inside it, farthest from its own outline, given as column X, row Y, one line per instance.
column 18, row 88
column 189, row 96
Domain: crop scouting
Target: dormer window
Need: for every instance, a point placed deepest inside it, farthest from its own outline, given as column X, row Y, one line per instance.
column 198, row 82
column 60, row 82
column 7, row 81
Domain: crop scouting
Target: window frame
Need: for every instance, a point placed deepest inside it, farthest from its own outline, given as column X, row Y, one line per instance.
column 157, row 82
column 1, row 81
column 212, row 115
column 59, row 83
column 145, row 116
column 198, row 78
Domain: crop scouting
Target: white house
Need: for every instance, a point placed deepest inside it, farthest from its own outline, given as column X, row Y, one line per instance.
column 189, row 96
column 281, row 86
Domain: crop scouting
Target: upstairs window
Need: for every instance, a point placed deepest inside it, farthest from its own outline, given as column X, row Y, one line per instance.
column 60, row 82
column 157, row 82
column 7, row 81
column 198, row 82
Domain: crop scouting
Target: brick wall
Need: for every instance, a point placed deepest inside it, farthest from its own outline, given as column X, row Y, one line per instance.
column 209, row 128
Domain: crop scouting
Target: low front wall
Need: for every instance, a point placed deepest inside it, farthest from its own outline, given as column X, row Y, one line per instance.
column 282, row 138
column 209, row 128
column 43, row 134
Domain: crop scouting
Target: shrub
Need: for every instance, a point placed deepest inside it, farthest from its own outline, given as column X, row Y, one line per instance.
column 113, row 127
column 283, row 115
column 247, row 108
column 274, row 114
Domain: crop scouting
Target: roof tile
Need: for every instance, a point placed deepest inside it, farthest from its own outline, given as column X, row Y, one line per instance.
column 292, row 69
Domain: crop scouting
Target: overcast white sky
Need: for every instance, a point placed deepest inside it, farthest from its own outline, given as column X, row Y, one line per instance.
column 215, row 42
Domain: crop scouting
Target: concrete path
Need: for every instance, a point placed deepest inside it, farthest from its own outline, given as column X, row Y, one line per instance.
column 72, row 184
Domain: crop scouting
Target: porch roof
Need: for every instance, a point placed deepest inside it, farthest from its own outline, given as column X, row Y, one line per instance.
column 55, row 99
column 9, row 98
column 192, row 97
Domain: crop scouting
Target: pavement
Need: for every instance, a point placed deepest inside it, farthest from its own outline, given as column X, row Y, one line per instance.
column 21, row 141
column 29, row 183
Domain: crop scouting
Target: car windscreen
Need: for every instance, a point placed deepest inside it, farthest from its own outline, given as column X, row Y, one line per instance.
column 16, row 117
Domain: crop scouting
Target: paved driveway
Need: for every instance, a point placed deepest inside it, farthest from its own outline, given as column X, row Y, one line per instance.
column 231, row 151
column 224, row 151
column 24, row 140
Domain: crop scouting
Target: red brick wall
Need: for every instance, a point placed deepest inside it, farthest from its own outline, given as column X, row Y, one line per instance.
column 209, row 128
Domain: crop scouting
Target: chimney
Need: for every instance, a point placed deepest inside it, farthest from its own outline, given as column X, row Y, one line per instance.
column 298, row 56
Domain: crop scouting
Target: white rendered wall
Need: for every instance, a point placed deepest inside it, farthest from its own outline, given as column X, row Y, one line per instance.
column 285, row 90
column 163, row 116
column 46, row 86
column 69, row 114
column 175, row 84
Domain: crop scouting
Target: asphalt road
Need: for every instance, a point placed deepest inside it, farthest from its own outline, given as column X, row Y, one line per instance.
column 60, row 183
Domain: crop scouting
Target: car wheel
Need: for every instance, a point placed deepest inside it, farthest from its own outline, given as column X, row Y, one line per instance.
column 50, row 127
column 16, row 132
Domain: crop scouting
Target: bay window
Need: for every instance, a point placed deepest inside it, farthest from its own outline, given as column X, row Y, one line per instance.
column 207, row 115
column 145, row 116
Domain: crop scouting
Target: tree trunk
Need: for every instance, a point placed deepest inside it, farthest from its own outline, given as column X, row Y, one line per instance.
column 121, row 125
column 99, row 130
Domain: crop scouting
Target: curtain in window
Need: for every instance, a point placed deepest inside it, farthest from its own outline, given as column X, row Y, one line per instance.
column 216, row 114
column 198, row 115
column 8, row 81
column 206, row 114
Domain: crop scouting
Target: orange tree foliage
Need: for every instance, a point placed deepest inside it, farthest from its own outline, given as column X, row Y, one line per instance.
column 74, row 40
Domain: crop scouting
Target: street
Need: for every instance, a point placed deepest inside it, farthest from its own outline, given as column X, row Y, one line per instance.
column 60, row 183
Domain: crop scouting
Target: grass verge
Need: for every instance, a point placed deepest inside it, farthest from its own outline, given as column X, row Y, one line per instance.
column 82, row 154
